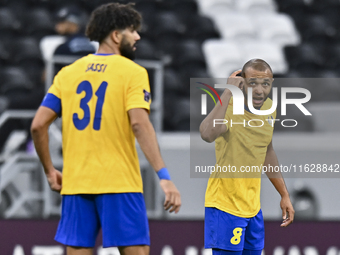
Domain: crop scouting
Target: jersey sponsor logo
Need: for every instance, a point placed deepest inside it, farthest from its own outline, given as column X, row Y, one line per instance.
column 147, row 96
column 96, row 67
column 271, row 120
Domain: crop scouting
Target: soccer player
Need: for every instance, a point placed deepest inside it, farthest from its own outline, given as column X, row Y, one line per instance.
column 104, row 101
column 233, row 217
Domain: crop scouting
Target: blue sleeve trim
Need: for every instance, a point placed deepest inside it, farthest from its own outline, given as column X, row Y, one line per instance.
column 163, row 174
column 52, row 102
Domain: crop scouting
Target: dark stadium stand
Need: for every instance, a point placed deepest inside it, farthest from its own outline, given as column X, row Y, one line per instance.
column 318, row 54
column 38, row 22
column 173, row 31
column 15, row 80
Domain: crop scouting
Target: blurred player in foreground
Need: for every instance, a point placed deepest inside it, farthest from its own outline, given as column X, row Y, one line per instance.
column 233, row 216
column 104, row 102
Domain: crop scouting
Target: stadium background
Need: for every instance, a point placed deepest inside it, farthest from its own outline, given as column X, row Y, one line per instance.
column 181, row 39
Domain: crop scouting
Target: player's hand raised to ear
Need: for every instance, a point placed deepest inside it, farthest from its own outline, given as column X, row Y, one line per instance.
column 236, row 80
column 172, row 197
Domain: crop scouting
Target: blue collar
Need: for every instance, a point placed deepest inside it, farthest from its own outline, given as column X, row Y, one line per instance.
column 246, row 108
column 103, row 54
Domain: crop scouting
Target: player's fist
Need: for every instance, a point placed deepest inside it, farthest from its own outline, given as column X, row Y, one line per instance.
column 172, row 197
column 54, row 179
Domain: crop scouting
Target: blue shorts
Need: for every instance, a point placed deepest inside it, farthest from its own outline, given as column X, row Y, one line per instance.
column 228, row 232
column 122, row 217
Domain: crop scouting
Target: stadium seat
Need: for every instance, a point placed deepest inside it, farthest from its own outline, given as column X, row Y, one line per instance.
column 236, row 27
column 167, row 46
column 223, row 57
column 168, row 31
column 213, row 8
column 26, row 54
column 305, row 56
column 38, row 22
column 284, row 4
column 270, row 52
column 25, row 48
column 306, row 204
column 185, row 9
column 332, row 14
column 14, row 80
column 189, row 52
column 332, row 54
column 297, row 9
column 3, row 104
column 4, row 54
column 168, row 111
column 146, row 50
column 181, row 117
column 277, row 28
column 325, row 89
column 148, row 10
column 168, row 22
column 172, row 81
column 8, row 20
column 55, row 6
column 317, row 25
column 3, row 2
column 188, row 72
column 19, row 5
column 321, row 4
column 9, row 25
column 321, row 114
column 255, row 6
column 201, row 28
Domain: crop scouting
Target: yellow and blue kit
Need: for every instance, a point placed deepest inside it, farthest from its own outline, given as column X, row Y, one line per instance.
column 237, row 194
column 93, row 96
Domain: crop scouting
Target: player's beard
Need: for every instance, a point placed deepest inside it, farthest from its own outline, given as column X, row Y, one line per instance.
column 126, row 49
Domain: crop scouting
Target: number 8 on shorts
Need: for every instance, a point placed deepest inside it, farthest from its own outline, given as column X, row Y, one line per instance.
column 236, row 239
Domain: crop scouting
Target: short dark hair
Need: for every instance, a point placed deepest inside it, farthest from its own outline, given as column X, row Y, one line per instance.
column 256, row 64
column 110, row 17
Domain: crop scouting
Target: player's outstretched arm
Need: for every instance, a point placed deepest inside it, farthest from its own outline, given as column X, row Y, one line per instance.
column 39, row 130
column 208, row 132
column 146, row 137
column 278, row 182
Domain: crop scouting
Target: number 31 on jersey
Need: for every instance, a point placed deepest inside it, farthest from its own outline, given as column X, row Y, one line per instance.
column 86, row 86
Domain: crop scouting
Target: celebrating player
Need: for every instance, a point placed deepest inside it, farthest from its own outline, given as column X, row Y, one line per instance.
column 104, row 101
column 233, row 217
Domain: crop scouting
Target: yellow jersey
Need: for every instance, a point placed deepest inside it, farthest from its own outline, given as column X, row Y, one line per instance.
column 242, row 151
column 93, row 96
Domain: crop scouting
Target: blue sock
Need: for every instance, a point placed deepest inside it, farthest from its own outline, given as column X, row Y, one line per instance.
column 225, row 252
column 251, row 252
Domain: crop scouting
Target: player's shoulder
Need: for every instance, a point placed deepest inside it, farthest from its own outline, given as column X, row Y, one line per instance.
column 128, row 63
column 71, row 67
column 267, row 104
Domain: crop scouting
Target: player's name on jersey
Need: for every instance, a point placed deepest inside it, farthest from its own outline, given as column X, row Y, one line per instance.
column 96, row 67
